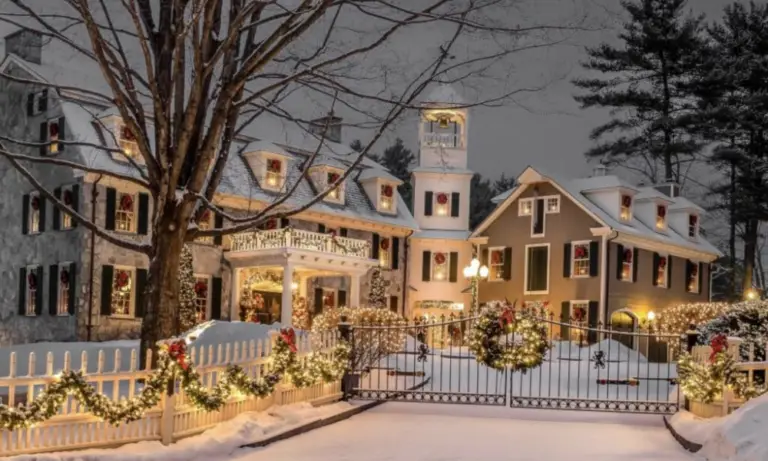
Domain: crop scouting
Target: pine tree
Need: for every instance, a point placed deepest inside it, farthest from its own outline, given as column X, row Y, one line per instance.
column 187, row 313
column 300, row 315
column 503, row 184
column 398, row 160
column 377, row 296
column 646, row 85
column 480, row 195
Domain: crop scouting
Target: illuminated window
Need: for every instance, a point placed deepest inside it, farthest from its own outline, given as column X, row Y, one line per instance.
column 122, row 292
column 525, row 207
column 662, row 273
column 201, row 297
column 336, row 193
column 442, row 203
column 440, row 266
column 692, row 284
column 32, row 290
column 125, row 213
column 579, row 321
column 329, row 298
column 68, row 197
column 626, row 264
column 693, row 226
column 661, row 217
column 385, row 253
column 274, row 175
column 625, row 212
column 65, row 291
column 386, row 202
column 553, row 204
column 580, row 257
column 126, row 139
column 35, row 213
column 54, row 136
column 496, row 263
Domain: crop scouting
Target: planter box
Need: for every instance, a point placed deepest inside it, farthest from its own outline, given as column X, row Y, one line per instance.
column 714, row 409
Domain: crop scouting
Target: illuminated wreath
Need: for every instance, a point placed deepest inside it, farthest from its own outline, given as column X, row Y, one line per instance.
column 440, row 258
column 662, row 262
column 201, row 289
column 442, row 198
column 333, row 177
column 496, row 257
column 275, row 166
column 626, row 201
column 127, row 134
column 122, row 279
column 661, row 211
column 271, row 224
column 53, row 129
column 503, row 337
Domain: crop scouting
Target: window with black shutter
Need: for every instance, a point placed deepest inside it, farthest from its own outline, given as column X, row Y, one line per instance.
column 216, row 288
column 395, row 253
column 428, row 203
column 455, row 202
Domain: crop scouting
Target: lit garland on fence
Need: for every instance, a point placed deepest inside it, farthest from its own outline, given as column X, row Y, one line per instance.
column 172, row 363
column 677, row 319
column 528, row 345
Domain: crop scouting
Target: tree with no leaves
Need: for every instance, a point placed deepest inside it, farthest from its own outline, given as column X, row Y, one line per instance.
column 187, row 77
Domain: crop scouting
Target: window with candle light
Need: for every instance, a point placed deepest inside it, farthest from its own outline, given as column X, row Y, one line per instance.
column 442, row 203
column 33, row 290
column 693, row 226
column 387, row 197
column 440, row 266
column 54, row 135
column 625, row 211
column 661, row 217
column 273, row 179
column 126, row 139
column 496, row 263
column 662, row 271
column 580, row 259
column 202, row 283
column 337, row 193
column 35, row 213
column 125, row 213
column 123, row 283
column 627, row 264
column 579, row 319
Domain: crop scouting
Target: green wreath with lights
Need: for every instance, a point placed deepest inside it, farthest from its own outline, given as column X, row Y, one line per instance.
column 490, row 342
column 284, row 365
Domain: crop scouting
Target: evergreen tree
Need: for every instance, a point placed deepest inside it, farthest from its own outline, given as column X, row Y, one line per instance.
column 646, row 86
column 398, row 160
column 300, row 319
column 356, row 146
column 480, row 195
column 187, row 313
column 503, row 184
column 377, row 297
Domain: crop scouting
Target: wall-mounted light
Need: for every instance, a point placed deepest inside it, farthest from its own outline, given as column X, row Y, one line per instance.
column 651, row 316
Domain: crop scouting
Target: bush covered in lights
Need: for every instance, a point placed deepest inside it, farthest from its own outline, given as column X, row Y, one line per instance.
column 747, row 320
column 677, row 319
column 385, row 336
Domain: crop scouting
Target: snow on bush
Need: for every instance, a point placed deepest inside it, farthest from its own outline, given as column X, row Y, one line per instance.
column 747, row 320
column 677, row 319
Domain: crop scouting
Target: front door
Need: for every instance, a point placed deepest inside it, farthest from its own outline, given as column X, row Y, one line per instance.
column 623, row 322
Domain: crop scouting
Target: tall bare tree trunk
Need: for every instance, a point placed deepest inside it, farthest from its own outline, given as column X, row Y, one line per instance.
column 750, row 250
column 732, row 234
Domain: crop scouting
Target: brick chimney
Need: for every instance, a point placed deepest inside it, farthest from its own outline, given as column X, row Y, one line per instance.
column 26, row 44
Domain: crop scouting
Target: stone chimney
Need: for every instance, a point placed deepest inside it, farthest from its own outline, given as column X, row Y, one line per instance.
column 328, row 127
column 26, row 44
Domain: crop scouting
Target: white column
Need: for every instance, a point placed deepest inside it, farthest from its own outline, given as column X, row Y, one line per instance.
column 234, row 295
column 286, row 304
column 354, row 291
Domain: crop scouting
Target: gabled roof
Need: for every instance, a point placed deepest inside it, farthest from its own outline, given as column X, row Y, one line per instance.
column 377, row 173
column 575, row 190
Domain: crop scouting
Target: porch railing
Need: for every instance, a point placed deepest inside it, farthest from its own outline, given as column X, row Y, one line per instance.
column 442, row 140
column 300, row 239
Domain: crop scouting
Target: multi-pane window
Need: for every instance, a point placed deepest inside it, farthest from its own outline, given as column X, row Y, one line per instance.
column 385, row 253
column 440, row 266
column 626, row 264
column 496, row 263
column 54, row 135
column 201, row 298
column 537, row 269
column 625, row 211
column 205, row 223
column 525, row 207
column 122, row 292
column 65, row 282
column 442, row 203
column 33, row 291
column 386, row 202
column 662, row 272
column 68, row 196
column 35, row 213
column 661, row 217
column 580, row 258
column 125, row 213
column 126, row 139
column 693, row 277
column 274, row 176
column 553, row 204
column 579, row 320
column 331, row 178
column 693, row 226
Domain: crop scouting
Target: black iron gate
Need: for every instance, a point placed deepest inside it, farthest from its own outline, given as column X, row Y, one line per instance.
column 422, row 361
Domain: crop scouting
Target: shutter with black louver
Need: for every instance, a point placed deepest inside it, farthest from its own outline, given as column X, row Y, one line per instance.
column 343, row 231
column 453, row 265
column 218, row 223
column 321, row 228
column 655, row 270
column 507, row 263
column 594, row 259
column 284, row 222
column 216, row 288
column 669, row 271
column 395, row 252
column 30, row 104
column 619, row 260
column 342, row 301
column 143, row 224
column 111, row 208
column 455, row 201
column 567, row 260
column 701, row 278
column 75, row 201
column 375, row 246
column 53, row 289
column 62, row 135
column 56, row 212
column 565, row 319
column 25, row 214
column 428, row 203
column 72, row 289
column 42, row 102
column 318, row 300
column 43, row 138
column 635, row 257
column 593, row 316
column 107, row 277
column 426, row 260
column 41, row 211
column 22, row 291
column 141, row 295
column 39, row 297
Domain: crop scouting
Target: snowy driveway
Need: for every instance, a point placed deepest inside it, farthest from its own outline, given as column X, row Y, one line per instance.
column 426, row 432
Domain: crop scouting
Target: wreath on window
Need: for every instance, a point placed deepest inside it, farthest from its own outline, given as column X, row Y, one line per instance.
column 626, row 200
column 271, row 224
column 387, row 191
column 53, row 129
column 201, row 289
column 122, row 279
column 440, row 258
column 333, row 177
column 579, row 314
column 496, row 257
column 628, row 255
column 505, row 338
column 32, row 281
column 661, row 211
column 206, row 216
column 384, row 244
column 581, row 252
column 442, row 198
column 275, row 165
column 662, row 262
column 126, row 202
column 127, row 134
column 64, row 277
column 68, row 198
column 35, row 203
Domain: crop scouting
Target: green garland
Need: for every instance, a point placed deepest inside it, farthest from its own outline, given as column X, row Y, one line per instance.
column 172, row 363
column 499, row 319
column 704, row 382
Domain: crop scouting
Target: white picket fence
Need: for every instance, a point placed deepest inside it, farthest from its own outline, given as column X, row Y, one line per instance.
column 173, row 418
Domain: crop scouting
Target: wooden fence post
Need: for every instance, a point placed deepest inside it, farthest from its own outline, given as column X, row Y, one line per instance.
column 167, row 415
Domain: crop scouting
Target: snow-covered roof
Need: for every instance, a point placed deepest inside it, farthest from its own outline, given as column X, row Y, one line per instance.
column 441, row 234
column 682, row 203
column 502, row 196
column 651, row 193
column 444, row 94
column 265, row 146
column 377, row 173
column 597, row 183
column 441, row 170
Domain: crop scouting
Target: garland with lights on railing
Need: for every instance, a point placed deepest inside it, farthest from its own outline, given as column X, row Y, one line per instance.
column 676, row 320
column 172, row 363
column 492, row 346
column 704, row 382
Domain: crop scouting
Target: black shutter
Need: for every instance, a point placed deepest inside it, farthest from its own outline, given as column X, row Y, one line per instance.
column 62, row 135
column 538, row 216
column 321, row 228
column 107, row 277
column 669, row 271
column 507, row 267
column 565, row 317
column 342, row 301
column 375, row 247
column 216, row 298
column 426, row 259
column 53, row 289
column 218, row 223
column 42, row 103
column 343, row 231
column 30, row 104
column 143, row 225
column 284, row 222
column 453, row 266
column 592, row 320
column 393, row 304
column 23, row 291
column 428, row 203
column 42, row 213
column 43, row 138
column 635, row 254
column 655, row 270
column 318, row 300
column 39, row 297
column 688, row 267
column 619, row 260
column 56, row 212
column 701, row 278
column 25, row 214
column 111, row 203
column 75, row 201
column 594, row 259
column 455, row 197
column 395, row 252
column 72, row 289
column 567, row 260
column 141, row 293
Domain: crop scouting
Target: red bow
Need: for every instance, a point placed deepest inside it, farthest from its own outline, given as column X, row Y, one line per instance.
column 507, row 317
column 178, row 352
column 719, row 344
column 289, row 336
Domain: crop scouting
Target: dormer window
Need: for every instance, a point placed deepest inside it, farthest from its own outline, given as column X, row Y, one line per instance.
column 661, row 217
column 625, row 211
column 273, row 178
column 126, row 139
column 693, row 226
column 387, row 198
column 337, row 193
column 55, row 134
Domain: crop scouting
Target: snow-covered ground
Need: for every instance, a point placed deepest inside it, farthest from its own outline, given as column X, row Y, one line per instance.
column 741, row 436
column 418, row 432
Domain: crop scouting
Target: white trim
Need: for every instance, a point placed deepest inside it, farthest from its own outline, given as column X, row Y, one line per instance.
column 664, row 229
column 490, row 251
column 132, row 303
column 547, row 198
column 573, row 258
column 266, row 157
column 432, row 265
column 20, row 62
column 549, row 269
column 658, row 247
column 135, row 212
column 209, row 280
column 630, row 208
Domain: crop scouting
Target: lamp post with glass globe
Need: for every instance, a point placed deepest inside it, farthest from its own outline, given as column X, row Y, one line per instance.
column 474, row 272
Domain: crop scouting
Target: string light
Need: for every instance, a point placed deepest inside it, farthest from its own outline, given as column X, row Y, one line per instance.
column 676, row 320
